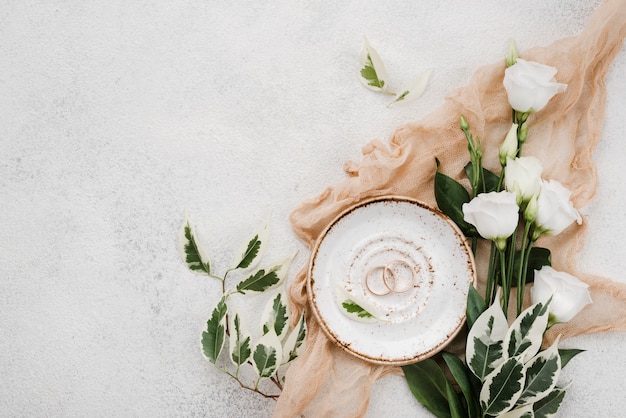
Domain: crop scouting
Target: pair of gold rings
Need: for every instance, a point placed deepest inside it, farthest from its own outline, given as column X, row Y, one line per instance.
column 395, row 277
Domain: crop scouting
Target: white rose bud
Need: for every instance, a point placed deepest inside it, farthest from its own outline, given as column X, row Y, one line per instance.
column 523, row 176
column 494, row 214
column 530, row 85
column 508, row 149
column 569, row 295
column 555, row 211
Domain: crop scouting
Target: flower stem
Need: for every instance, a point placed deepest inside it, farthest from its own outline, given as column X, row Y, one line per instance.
column 505, row 284
column 523, row 266
column 490, row 273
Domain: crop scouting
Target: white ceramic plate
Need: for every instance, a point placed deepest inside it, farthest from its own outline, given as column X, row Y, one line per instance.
column 417, row 323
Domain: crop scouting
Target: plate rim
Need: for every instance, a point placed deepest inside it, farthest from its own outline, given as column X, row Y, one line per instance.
column 310, row 281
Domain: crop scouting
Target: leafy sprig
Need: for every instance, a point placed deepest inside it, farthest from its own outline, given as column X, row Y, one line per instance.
column 278, row 344
column 373, row 75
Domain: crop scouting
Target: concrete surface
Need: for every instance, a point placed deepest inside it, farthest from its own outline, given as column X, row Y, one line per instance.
column 116, row 117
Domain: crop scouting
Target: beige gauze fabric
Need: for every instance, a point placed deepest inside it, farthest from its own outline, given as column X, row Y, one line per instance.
column 327, row 382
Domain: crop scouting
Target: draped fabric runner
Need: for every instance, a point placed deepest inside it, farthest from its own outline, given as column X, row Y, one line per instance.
column 326, row 381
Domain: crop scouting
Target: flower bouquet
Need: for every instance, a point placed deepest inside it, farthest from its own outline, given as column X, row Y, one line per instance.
column 504, row 372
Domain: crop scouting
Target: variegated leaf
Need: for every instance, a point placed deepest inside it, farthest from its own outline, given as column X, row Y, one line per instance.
column 502, row 387
column 542, row 373
column 526, row 333
column 549, row 406
column 213, row 337
column 252, row 249
column 194, row 257
column 276, row 315
column 372, row 71
column 415, row 90
column 266, row 354
column 484, row 341
column 239, row 342
column 356, row 307
column 522, row 412
column 294, row 343
column 264, row 280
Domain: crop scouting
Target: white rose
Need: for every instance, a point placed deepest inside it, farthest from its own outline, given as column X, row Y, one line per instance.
column 530, row 85
column 494, row 214
column 523, row 176
column 555, row 211
column 569, row 295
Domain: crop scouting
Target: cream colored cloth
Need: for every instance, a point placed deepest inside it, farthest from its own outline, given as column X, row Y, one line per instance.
column 325, row 381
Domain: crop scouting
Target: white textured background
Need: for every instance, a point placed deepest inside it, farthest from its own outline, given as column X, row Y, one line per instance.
column 117, row 116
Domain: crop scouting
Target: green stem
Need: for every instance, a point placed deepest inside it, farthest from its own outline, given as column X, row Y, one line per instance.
column 511, row 261
column 500, row 179
column 505, row 285
column 490, row 273
column 523, row 267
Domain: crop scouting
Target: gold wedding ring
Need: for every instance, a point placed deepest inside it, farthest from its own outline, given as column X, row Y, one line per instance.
column 394, row 278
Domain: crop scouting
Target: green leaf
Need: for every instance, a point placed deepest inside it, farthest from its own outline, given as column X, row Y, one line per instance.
column 475, row 306
column 275, row 315
column 466, row 381
column 483, row 351
column 353, row 308
column 252, row 250
column 213, row 337
column 191, row 253
column 239, row 342
column 450, row 196
column 456, row 406
column 267, row 353
column 491, row 180
column 415, row 90
column 537, row 258
column 542, row 373
column 567, row 354
column 526, row 332
column 525, row 411
column 294, row 341
column 549, row 406
column 372, row 73
column 263, row 280
column 429, row 386
column 502, row 387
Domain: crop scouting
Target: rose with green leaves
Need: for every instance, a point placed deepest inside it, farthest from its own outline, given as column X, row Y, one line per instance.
column 494, row 214
column 569, row 294
column 530, row 85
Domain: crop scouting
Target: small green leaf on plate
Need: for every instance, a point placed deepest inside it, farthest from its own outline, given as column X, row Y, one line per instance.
column 353, row 308
column 372, row 73
column 190, row 251
column 213, row 337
